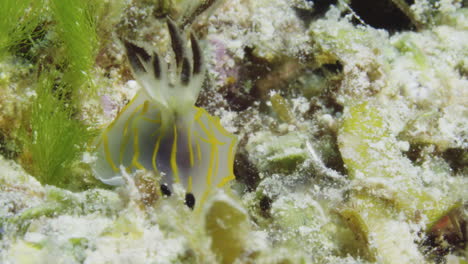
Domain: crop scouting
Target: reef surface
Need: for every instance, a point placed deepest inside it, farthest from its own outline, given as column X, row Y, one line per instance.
column 350, row 117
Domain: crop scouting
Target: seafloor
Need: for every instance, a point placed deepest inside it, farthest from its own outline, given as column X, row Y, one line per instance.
column 351, row 121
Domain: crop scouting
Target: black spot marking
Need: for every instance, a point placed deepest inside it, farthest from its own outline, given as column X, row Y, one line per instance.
column 197, row 55
column 165, row 190
column 185, row 73
column 134, row 54
column 190, row 200
column 156, row 66
column 176, row 41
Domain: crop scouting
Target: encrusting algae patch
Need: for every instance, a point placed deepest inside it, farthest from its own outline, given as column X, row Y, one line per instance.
column 241, row 131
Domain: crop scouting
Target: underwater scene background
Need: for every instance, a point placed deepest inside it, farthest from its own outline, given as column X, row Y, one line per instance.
column 233, row 131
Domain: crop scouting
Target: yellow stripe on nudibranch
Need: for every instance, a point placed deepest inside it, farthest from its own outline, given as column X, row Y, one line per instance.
column 107, row 152
column 155, row 153
column 175, row 169
column 231, row 155
column 211, row 137
column 216, row 168
column 199, row 113
column 225, row 180
column 209, row 173
column 136, row 150
column 126, row 137
column 199, row 153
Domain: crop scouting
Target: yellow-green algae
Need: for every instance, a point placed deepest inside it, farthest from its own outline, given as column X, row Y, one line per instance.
column 78, row 35
column 227, row 224
column 386, row 183
column 370, row 151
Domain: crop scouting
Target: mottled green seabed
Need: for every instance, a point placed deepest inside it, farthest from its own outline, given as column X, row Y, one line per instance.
column 351, row 120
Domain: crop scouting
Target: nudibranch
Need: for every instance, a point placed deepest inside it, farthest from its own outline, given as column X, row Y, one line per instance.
column 161, row 129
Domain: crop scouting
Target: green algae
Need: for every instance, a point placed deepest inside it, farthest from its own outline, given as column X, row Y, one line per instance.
column 18, row 19
column 57, row 138
column 62, row 52
column 77, row 31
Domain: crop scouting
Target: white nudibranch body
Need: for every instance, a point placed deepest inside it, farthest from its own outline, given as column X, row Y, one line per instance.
column 161, row 129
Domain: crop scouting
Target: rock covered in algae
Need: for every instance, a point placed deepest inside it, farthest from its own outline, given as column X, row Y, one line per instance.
column 371, row 152
column 385, row 183
column 299, row 222
column 269, row 151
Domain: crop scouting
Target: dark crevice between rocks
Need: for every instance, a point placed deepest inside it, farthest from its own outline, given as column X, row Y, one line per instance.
column 414, row 153
column 257, row 70
column 447, row 236
column 265, row 206
column 332, row 68
column 318, row 10
column 333, row 75
column 238, row 100
column 329, row 150
column 242, row 92
column 382, row 14
column 335, row 162
column 457, row 158
column 245, row 171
